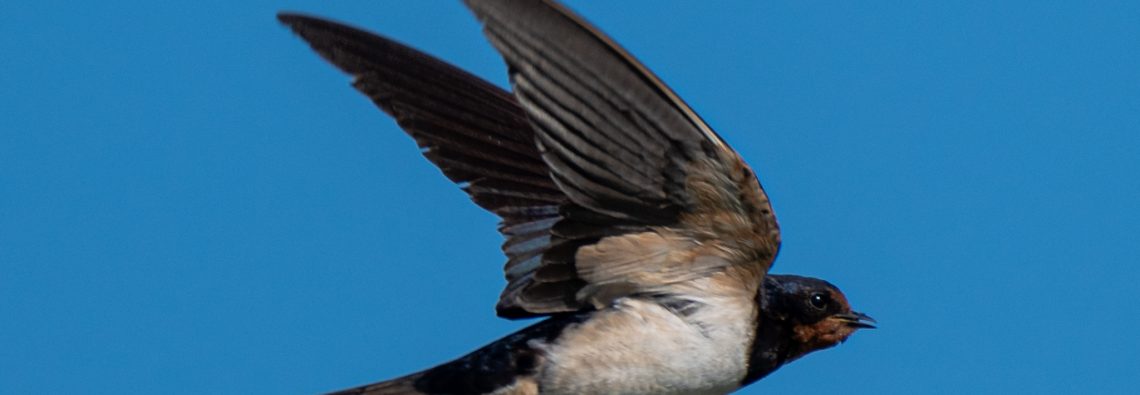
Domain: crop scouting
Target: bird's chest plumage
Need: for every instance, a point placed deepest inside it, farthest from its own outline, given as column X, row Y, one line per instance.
column 641, row 347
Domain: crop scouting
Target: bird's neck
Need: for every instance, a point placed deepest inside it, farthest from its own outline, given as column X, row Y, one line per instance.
column 773, row 344
column 772, row 347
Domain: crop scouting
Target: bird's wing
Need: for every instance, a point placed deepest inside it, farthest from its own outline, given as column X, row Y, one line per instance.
column 656, row 196
column 474, row 131
column 617, row 187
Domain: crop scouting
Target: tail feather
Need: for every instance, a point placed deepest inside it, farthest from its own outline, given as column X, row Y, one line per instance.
column 399, row 386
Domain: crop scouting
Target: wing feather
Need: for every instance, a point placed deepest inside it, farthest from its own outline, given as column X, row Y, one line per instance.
column 659, row 197
column 606, row 182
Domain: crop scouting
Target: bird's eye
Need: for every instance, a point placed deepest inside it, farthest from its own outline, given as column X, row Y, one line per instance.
column 820, row 300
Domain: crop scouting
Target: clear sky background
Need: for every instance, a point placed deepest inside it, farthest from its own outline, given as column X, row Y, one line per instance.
column 191, row 201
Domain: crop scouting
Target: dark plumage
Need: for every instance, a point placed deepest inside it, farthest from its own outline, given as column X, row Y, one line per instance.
column 799, row 315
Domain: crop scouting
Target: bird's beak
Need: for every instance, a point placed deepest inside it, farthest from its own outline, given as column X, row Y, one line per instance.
column 857, row 320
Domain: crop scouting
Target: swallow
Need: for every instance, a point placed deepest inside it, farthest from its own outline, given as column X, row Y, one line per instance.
column 639, row 235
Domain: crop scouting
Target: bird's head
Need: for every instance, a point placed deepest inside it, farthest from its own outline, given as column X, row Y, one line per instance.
column 813, row 312
column 799, row 315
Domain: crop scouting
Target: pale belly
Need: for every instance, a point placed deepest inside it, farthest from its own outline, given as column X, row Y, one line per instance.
column 640, row 347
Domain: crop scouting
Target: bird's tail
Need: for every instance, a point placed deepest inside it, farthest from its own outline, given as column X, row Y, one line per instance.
column 399, row 386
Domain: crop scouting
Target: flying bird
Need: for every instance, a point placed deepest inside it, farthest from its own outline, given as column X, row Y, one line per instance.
column 640, row 235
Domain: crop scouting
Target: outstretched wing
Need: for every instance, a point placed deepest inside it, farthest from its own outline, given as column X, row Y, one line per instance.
column 659, row 198
column 617, row 188
column 475, row 132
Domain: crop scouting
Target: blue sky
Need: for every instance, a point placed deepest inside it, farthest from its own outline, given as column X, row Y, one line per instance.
column 193, row 202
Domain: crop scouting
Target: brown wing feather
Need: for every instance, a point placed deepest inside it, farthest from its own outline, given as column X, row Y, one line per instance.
column 600, row 154
column 660, row 197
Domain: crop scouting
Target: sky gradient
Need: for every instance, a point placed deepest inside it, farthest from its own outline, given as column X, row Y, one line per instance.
column 191, row 201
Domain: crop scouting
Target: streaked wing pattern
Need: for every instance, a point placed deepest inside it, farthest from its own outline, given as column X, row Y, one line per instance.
column 627, row 150
column 601, row 174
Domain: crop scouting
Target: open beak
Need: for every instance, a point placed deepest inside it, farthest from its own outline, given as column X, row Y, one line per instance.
column 857, row 320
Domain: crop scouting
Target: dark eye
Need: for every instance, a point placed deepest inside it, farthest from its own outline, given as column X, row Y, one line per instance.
column 820, row 300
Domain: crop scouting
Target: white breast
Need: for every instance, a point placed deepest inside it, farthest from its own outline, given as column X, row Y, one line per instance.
column 640, row 347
